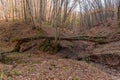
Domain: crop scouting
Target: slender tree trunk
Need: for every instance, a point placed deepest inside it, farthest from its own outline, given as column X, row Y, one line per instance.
column 4, row 10
column 119, row 15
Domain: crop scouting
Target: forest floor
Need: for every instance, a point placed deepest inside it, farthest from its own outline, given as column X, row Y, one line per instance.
column 64, row 65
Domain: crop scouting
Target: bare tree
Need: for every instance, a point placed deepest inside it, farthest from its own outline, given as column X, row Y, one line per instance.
column 4, row 10
column 119, row 14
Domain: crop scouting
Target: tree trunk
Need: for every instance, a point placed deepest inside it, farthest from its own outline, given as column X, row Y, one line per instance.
column 119, row 15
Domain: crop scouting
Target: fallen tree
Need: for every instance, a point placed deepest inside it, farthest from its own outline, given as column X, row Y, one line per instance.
column 83, row 38
column 97, row 40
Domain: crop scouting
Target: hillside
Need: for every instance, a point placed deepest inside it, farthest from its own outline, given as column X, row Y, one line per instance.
column 35, row 64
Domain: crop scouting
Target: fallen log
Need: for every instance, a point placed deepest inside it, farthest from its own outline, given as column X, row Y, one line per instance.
column 96, row 40
column 99, row 40
column 83, row 38
column 24, row 40
column 20, row 41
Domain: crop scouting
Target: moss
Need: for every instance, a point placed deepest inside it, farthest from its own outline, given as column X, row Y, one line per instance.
column 49, row 46
column 66, row 57
column 52, row 66
column 14, row 72
column 56, row 47
column 45, row 46
column 11, row 60
column 119, row 24
column 17, row 49
column 16, row 58
column 75, row 78
column 88, row 58
column 6, row 72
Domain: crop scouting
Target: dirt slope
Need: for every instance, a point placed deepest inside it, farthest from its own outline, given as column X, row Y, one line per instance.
column 63, row 65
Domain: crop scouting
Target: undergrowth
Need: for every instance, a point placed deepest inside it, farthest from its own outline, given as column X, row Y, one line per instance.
column 16, row 58
column 9, row 73
column 49, row 46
